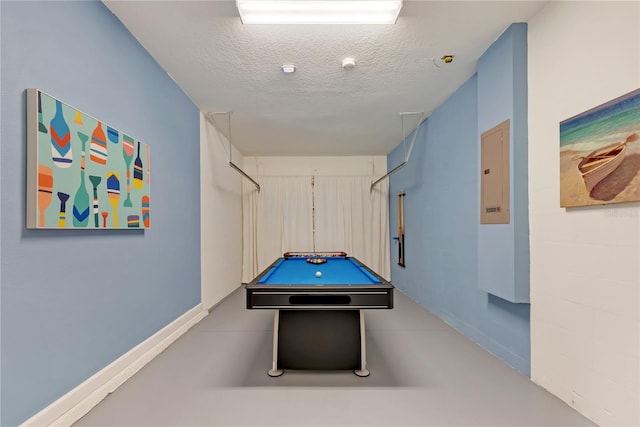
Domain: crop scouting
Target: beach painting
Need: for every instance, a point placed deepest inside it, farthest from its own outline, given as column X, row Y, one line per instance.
column 600, row 154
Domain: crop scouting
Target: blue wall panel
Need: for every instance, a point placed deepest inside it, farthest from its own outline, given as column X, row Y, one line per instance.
column 503, row 249
column 441, row 221
column 73, row 301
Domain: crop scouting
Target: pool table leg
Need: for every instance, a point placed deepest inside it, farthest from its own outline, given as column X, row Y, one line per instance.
column 363, row 371
column 274, row 371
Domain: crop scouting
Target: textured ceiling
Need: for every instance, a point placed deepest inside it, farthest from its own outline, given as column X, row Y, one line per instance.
column 321, row 109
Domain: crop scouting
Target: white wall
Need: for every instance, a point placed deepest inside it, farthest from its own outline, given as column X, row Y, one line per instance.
column 585, row 262
column 221, row 216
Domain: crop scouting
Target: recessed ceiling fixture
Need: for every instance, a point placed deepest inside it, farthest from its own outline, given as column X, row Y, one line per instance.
column 319, row 11
column 447, row 59
column 288, row 68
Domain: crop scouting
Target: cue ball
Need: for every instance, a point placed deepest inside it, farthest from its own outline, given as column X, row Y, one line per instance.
column 318, row 274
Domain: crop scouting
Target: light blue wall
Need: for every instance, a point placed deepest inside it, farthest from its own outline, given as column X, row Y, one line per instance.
column 74, row 301
column 441, row 221
column 503, row 249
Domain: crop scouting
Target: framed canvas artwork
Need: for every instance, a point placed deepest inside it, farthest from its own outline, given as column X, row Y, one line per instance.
column 600, row 154
column 81, row 172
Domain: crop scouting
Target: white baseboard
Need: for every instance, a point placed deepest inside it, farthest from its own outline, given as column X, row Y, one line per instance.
column 78, row 402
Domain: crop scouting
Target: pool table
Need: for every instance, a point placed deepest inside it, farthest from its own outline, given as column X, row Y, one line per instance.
column 319, row 300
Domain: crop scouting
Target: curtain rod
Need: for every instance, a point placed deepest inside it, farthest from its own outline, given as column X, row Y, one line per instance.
column 209, row 118
column 407, row 155
column 233, row 165
column 397, row 168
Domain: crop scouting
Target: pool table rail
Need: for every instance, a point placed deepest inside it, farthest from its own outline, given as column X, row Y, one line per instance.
column 343, row 296
column 319, row 298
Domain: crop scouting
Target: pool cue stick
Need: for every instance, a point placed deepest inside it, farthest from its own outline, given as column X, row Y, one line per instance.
column 401, row 229
column 399, row 232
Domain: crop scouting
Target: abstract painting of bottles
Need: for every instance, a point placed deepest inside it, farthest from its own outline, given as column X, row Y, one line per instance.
column 82, row 172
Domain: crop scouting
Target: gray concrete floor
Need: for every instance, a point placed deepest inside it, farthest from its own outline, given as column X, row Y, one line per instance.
column 423, row 373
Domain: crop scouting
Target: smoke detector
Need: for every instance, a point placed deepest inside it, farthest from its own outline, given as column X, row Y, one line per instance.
column 288, row 68
column 348, row 63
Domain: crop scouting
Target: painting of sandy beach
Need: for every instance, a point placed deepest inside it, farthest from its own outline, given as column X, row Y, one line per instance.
column 600, row 154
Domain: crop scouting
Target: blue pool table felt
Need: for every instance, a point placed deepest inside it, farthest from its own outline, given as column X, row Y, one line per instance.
column 336, row 271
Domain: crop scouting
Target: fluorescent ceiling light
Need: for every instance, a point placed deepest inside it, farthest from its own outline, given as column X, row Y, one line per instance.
column 319, row 11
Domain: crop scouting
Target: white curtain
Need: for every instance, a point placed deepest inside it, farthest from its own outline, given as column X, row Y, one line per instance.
column 305, row 214
column 276, row 220
column 351, row 217
column 249, row 231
